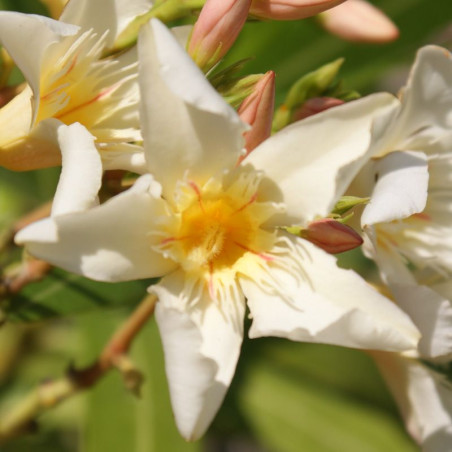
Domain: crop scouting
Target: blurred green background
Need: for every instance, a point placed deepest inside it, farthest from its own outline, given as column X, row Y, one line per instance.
column 285, row 397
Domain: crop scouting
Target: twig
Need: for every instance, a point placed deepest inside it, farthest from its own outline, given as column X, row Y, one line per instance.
column 49, row 394
column 31, row 270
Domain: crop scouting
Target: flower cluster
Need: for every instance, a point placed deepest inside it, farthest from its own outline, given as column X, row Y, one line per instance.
column 229, row 216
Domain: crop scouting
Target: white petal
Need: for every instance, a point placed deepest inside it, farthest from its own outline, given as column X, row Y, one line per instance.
column 202, row 346
column 304, row 296
column 124, row 156
column 24, row 149
column 110, row 242
column 111, row 15
column 314, row 160
column 400, row 189
column 81, row 174
column 432, row 314
column 427, row 98
column 424, row 398
column 391, row 264
column 186, row 124
column 27, row 39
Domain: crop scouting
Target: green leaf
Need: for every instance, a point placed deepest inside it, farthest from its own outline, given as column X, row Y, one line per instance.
column 63, row 294
column 298, row 414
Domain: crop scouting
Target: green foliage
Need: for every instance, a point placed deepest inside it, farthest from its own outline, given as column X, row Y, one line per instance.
column 64, row 294
column 319, row 399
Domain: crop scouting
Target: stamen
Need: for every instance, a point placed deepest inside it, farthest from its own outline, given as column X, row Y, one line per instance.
column 210, row 284
column 251, row 200
column 197, row 190
column 97, row 97
column 173, row 239
column 261, row 255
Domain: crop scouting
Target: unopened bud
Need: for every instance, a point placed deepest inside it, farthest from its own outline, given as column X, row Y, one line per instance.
column 332, row 236
column 290, row 9
column 216, row 30
column 314, row 106
column 359, row 21
column 235, row 90
column 257, row 111
column 314, row 84
column 347, row 203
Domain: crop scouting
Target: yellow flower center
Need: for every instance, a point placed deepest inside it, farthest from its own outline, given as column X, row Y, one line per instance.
column 215, row 233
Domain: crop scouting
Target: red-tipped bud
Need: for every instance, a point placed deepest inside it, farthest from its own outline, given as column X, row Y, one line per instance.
column 216, row 30
column 314, row 106
column 257, row 111
column 359, row 21
column 332, row 236
column 290, row 9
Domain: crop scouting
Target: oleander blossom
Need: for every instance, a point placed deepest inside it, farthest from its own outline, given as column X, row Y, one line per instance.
column 409, row 217
column 414, row 154
column 213, row 228
column 69, row 79
column 408, row 221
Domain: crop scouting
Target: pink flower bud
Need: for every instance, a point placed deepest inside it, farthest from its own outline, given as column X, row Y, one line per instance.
column 359, row 21
column 332, row 236
column 216, row 30
column 257, row 111
column 290, row 9
column 316, row 105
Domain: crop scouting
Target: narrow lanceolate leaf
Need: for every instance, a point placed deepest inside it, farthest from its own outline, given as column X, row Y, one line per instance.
column 64, row 294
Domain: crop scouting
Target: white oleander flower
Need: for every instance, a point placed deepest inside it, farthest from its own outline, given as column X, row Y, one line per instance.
column 69, row 80
column 409, row 217
column 212, row 228
column 411, row 199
